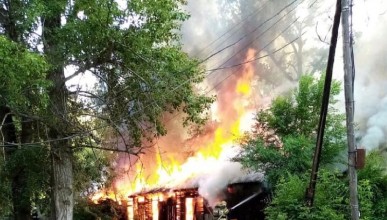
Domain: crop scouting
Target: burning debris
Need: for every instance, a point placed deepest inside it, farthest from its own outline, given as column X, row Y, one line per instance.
column 242, row 197
column 168, row 205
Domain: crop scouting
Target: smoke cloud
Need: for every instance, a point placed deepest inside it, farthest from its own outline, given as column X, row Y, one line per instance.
column 371, row 85
column 272, row 76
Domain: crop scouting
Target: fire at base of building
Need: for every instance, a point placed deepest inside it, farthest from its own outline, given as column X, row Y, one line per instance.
column 180, row 204
column 245, row 201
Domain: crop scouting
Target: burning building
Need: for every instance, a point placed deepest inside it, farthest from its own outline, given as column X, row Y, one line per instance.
column 245, row 199
column 182, row 204
column 183, row 177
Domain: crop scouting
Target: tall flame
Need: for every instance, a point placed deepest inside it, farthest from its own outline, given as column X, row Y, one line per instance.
column 167, row 164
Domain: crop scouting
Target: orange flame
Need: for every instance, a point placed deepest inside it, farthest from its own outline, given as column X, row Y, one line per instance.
column 170, row 168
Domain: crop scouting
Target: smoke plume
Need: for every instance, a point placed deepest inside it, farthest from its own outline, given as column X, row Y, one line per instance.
column 371, row 85
column 243, row 89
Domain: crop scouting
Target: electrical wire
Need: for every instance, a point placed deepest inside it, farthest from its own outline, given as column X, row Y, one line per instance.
column 233, row 27
column 80, row 134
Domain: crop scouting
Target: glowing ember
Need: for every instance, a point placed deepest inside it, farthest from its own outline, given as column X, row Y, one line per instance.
column 171, row 165
column 141, row 199
column 189, row 206
column 130, row 209
column 155, row 208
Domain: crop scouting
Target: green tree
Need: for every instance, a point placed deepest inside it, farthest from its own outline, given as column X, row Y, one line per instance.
column 375, row 175
column 133, row 51
column 293, row 120
column 332, row 194
column 283, row 147
column 22, row 97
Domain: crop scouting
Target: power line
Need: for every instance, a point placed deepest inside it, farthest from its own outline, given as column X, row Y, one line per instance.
column 226, row 47
column 260, row 25
column 254, row 59
column 251, row 60
column 234, row 26
column 240, row 39
column 80, row 134
column 234, row 43
column 263, row 23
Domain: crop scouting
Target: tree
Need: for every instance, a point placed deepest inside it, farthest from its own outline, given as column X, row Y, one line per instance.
column 282, row 146
column 284, row 138
column 22, row 97
column 134, row 53
column 332, row 193
column 374, row 174
column 290, row 196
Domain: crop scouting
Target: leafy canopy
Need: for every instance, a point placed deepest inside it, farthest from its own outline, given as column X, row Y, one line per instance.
column 293, row 119
column 23, row 89
column 132, row 49
column 22, row 77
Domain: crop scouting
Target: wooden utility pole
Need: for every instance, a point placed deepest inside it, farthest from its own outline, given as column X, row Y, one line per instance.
column 349, row 107
column 310, row 191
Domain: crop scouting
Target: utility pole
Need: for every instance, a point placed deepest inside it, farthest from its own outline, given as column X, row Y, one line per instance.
column 310, row 191
column 349, row 107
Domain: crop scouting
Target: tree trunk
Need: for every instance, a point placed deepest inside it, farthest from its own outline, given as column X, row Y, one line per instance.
column 20, row 201
column 20, row 198
column 62, row 201
column 22, row 205
column 62, row 181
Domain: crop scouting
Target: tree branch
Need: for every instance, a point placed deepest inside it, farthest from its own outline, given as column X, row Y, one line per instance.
column 282, row 69
column 110, row 149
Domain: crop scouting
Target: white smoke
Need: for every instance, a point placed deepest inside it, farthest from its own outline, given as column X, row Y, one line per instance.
column 207, row 23
column 212, row 186
column 371, row 76
column 224, row 172
column 376, row 132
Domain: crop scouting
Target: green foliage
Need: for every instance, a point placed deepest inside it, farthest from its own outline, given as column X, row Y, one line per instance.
column 330, row 203
column 88, row 168
column 29, row 163
column 299, row 112
column 5, row 193
column 107, row 210
column 23, row 89
column 374, row 177
column 22, row 78
column 294, row 157
column 136, row 56
column 331, row 199
column 294, row 118
column 132, row 48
